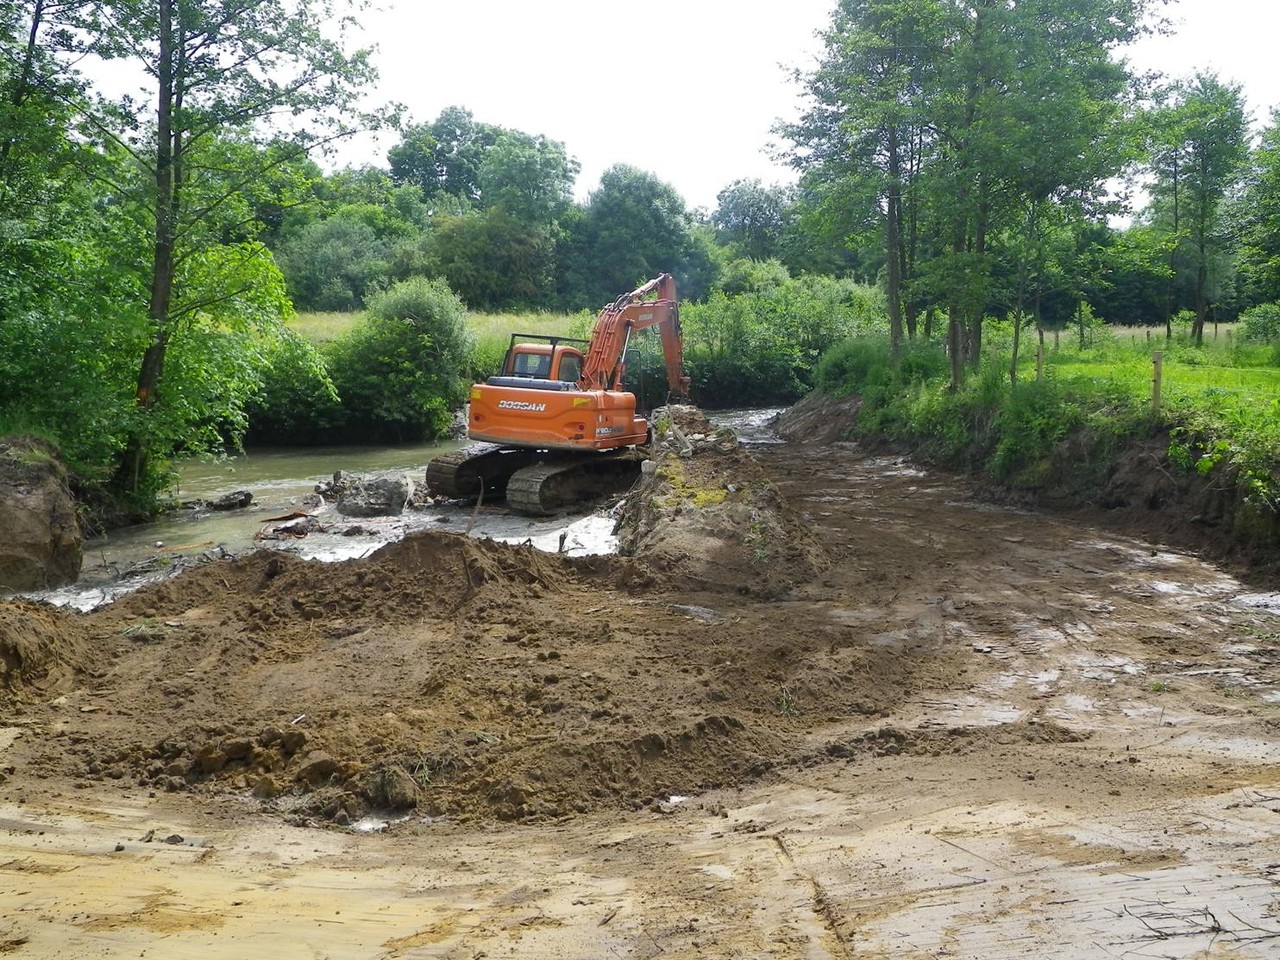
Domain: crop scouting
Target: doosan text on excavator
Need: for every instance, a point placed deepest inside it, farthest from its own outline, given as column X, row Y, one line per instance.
column 564, row 427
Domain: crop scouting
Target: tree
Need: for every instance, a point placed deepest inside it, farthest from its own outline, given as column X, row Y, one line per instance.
column 494, row 261
column 263, row 69
column 944, row 126
column 751, row 218
column 635, row 227
column 1204, row 146
column 444, row 156
column 866, row 127
column 530, row 178
column 1260, row 217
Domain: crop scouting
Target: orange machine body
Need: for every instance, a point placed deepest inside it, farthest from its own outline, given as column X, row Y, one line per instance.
column 530, row 414
column 555, row 396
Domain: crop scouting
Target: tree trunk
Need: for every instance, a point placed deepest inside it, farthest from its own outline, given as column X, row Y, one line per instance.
column 954, row 328
column 1173, row 259
column 22, row 85
column 893, row 244
column 1202, row 284
column 133, row 464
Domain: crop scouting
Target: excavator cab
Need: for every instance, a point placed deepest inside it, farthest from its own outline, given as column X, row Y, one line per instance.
column 538, row 362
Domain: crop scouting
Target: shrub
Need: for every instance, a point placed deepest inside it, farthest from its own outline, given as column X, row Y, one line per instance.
column 404, row 368
column 763, row 346
column 1261, row 324
column 297, row 403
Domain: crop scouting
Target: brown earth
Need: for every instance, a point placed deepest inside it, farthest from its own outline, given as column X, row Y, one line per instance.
column 908, row 722
column 40, row 543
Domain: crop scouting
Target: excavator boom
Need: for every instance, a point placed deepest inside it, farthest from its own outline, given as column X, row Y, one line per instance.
column 604, row 363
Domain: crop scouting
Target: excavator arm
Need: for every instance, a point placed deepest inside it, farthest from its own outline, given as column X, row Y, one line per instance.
column 604, row 363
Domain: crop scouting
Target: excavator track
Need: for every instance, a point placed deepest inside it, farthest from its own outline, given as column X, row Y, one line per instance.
column 463, row 474
column 544, row 488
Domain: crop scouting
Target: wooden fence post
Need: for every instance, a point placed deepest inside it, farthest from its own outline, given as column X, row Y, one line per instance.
column 1157, row 376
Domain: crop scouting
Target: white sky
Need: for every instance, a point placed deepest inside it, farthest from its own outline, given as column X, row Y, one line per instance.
column 689, row 89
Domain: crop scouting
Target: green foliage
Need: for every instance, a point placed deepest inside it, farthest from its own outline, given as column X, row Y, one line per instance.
column 403, row 369
column 1221, row 408
column 333, row 264
column 1014, row 434
column 1261, row 324
column 493, row 260
column 634, row 228
column 297, row 403
column 1259, row 216
column 751, row 218
column 762, row 347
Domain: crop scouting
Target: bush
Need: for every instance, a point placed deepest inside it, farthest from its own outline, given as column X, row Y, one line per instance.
column 403, row 369
column 297, row 403
column 1261, row 324
column 762, row 346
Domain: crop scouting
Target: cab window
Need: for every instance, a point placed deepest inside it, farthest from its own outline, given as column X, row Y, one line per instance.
column 532, row 365
column 570, row 367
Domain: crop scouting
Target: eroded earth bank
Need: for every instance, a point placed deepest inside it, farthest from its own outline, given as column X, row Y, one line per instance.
column 830, row 706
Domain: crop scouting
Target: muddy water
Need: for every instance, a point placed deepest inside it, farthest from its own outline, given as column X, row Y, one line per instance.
column 281, row 478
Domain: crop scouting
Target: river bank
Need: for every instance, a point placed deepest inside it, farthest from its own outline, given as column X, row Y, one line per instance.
column 282, row 479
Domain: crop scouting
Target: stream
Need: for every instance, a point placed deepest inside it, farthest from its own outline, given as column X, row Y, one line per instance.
column 280, row 479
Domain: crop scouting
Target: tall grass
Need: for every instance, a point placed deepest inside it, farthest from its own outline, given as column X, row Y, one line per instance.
column 320, row 328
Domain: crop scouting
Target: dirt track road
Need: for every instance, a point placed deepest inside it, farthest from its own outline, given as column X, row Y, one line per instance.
column 984, row 734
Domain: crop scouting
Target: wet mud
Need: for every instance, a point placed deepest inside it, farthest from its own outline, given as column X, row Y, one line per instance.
column 928, row 726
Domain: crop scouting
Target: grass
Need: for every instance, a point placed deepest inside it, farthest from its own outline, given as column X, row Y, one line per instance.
column 318, row 328
column 492, row 331
column 1220, row 406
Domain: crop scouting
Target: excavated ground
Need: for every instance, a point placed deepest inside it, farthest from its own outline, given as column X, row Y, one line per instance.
column 831, row 706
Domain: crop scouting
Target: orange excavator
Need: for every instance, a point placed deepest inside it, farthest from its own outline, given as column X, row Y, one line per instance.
column 564, row 427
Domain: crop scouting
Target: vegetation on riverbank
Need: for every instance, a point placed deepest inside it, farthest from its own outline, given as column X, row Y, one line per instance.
column 1219, row 417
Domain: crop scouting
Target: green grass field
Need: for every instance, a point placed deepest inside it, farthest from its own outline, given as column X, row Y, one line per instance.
column 489, row 329
column 1238, row 382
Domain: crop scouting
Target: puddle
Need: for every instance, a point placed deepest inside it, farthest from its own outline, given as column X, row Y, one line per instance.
column 704, row 614
column 378, row 823
column 1268, row 602
column 1243, row 748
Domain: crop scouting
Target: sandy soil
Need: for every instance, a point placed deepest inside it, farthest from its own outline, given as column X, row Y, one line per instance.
column 877, row 717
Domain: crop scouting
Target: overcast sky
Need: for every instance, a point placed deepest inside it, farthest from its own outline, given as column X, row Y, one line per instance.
column 689, row 89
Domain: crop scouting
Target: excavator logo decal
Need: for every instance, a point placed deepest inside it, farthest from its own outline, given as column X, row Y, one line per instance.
column 521, row 405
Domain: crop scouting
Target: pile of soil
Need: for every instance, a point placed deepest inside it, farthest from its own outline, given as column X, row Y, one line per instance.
column 707, row 514
column 40, row 651
column 460, row 678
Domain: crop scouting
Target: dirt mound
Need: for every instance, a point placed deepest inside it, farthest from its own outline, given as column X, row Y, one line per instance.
column 707, row 514
column 41, row 545
column 41, row 650
column 462, row 678
column 819, row 418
